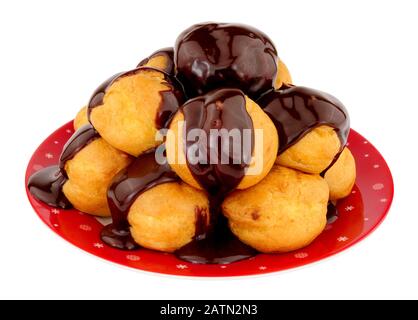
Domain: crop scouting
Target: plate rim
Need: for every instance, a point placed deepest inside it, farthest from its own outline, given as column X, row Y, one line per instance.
column 326, row 256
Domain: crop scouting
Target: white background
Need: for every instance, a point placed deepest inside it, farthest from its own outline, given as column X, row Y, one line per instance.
column 52, row 55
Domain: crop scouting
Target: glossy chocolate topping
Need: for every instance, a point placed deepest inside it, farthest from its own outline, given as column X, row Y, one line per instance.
column 296, row 111
column 219, row 109
column 171, row 98
column 332, row 213
column 219, row 55
column 168, row 53
column 143, row 174
column 222, row 109
column 46, row 184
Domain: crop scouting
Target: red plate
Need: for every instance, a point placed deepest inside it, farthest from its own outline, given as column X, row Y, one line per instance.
column 360, row 214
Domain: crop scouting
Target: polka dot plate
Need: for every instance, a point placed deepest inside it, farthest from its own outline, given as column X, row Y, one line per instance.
column 359, row 215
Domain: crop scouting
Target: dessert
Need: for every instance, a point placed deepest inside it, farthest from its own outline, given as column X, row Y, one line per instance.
column 285, row 211
column 168, row 225
column 313, row 127
column 128, row 109
column 86, row 169
column 220, row 55
column 283, row 75
column 341, row 176
column 226, row 109
column 162, row 59
column 206, row 150
column 81, row 118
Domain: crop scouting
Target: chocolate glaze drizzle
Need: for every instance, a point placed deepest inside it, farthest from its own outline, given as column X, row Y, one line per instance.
column 332, row 213
column 165, row 52
column 219, row 109
column 295, row 111
column 46, row 185
column 171, row 98
column 218, row 55
column 141, row 175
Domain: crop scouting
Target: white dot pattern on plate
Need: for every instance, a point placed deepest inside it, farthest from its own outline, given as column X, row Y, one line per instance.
column 342, row 239
column 349, row 208
column 85, row 227
column 301, row 255
column 378, row 186
column 133, row 257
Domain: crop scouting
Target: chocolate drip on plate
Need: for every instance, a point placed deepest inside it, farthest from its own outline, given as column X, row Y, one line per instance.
column 219, row 247
column 332, row 213
column 46, row 184
column 295, row 111
column 171, row 98
column 143, row 174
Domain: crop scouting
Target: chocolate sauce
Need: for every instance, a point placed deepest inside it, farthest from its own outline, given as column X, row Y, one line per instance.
column 332, row 213
column 296, row 111
column 220, row 247
column 98, row 94
column 168, row 53
column 219, row 109
column 171, row 98
column 46, row 184
column 219, row 55
column 141, row 175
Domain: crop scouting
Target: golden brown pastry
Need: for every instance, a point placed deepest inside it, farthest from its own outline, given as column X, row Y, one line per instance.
column 341, row 176
column 81, row 118
column 89, row 174
column 283, row 75
column 268, row 148
column 164, row 217
column 284, row 212
column 161, row 60
column 132, row 108
column 313, row 153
